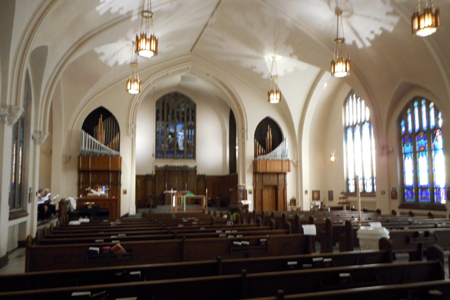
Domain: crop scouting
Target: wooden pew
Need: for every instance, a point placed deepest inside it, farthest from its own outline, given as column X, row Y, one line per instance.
column 429, row 290
column 50, row 235
column 55, row 257
column 255, row 285
column 66, row 278
column 174, row 235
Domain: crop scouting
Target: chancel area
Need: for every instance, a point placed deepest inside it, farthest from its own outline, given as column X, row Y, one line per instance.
column 225, row 132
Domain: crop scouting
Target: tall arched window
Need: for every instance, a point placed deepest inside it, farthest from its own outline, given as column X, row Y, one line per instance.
column 423, row 168
column 17, row 165
column 175, row 126
column 359, row 145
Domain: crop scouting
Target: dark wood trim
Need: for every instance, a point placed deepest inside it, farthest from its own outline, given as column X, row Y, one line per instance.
column 424, row 206
column 13, row 215
column 4, row 261
column 21, row 243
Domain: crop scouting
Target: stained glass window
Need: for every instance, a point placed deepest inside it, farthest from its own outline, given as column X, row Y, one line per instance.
column 360, row 145
column 422, row 153
column 175, row 127
column 16, row 190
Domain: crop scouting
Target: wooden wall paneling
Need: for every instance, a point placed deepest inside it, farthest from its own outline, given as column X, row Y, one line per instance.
column 83, row 163
column 192, row 184
column 100, row 170
column 201, row 185
column 229, row 182
column 159, row 186
column 150, row 185
column 141, row 191
column 269, row 177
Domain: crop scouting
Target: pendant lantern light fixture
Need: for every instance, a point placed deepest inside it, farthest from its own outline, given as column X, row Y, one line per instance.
column 133, row 82
column 425, row 19
column 340, row 65
column 274, row 94
column 146, row 41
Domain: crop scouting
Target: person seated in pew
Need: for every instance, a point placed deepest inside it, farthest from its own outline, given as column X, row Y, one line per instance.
column 98, row 190
column 50, row 207
column 41, row 199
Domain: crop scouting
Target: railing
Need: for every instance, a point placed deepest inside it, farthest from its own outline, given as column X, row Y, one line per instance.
column 90, row 146
column 280, row 153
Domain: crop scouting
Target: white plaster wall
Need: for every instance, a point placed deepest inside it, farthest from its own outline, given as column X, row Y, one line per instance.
column 334, row 177
column 116, row 100
column 45, row 159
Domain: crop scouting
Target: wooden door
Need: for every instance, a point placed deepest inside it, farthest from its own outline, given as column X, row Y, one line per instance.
column 270, row 198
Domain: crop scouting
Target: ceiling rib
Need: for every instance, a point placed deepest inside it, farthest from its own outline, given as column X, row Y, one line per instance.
column 211, row 17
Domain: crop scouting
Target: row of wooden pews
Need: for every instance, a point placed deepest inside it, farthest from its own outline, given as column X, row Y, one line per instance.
column 157, row 239
column 202, row 256
column 409, row 234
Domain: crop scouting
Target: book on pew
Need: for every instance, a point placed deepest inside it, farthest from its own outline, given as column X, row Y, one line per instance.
column 118, row 249
column 100, row 296
column 94, row 251
column 81, row 295
column 292, row 265
column 317, row 262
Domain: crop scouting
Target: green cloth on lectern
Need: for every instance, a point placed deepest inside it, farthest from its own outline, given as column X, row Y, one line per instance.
column 188, row 194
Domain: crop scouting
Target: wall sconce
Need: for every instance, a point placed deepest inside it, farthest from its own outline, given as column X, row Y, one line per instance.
column 332, row 158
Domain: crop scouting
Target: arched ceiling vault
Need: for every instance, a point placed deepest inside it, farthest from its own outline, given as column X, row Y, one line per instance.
column 237, row 36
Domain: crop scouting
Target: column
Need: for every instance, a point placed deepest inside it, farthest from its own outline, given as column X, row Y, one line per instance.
column 5, row 177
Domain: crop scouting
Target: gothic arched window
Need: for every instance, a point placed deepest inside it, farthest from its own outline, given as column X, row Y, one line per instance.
column 17, row 165
column 359, row 145
column 175, row 126
column 423, row 167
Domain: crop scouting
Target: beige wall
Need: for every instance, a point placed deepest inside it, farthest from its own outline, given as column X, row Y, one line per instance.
column 45, row 159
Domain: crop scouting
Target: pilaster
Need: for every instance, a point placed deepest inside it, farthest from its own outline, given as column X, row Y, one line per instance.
column 5, row 176
column 38, row 138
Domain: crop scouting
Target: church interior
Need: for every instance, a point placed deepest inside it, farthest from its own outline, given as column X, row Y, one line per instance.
column 233, row 107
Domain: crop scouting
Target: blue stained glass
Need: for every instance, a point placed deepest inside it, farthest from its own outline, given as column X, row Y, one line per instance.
column 408, row 169
column 432, row 119
column 438, row 167
column 424, row 195
column 416, row 115
column 424, row 115
column 403, row 126
column 408, row 162
column 440, row 119
column 410, row 195
column 423, row 168
column 409, row 121
column 170, row 137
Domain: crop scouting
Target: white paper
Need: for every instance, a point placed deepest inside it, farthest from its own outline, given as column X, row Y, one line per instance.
column 309, row 229
column 375, row 224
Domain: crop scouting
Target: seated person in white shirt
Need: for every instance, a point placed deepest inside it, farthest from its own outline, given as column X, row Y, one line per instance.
column 98, row 191
column 42, row 198
column 49, row 203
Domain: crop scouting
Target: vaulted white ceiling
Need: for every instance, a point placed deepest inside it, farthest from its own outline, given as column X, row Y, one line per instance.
column 89, row 44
